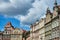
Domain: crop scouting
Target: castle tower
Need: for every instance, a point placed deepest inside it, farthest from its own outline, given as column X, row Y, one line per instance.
column 55, row 5
column 55, row 9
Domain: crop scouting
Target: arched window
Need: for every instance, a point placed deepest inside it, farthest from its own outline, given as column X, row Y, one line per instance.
column 16, row 32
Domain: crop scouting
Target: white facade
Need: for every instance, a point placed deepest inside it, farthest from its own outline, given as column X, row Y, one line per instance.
column 37, row 30
column 42, row 30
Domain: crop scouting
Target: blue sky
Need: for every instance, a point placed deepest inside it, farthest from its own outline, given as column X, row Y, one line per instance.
column 22, row 13
column 4, row 21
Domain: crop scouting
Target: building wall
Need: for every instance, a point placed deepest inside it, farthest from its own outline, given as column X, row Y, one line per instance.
column 42, row 29
column 34, row 32
column 1, row 36
column 6, row 37
column 16, row 34
column 55, row 29
column 28, row 38
column 42, row 34
column 37, row 30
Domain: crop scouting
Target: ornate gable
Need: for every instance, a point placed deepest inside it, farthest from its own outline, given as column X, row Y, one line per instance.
column 48, row 15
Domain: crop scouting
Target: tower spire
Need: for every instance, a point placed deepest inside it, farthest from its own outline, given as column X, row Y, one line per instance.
column 48, row 10
column 55, row 3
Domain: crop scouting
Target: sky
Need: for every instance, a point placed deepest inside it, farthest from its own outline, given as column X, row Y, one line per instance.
column 23, row 13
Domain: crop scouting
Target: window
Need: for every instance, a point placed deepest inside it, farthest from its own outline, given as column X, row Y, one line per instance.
column 55, row 23
column 8, row 28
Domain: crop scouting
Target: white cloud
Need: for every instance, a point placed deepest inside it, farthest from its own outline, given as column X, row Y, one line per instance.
column 35, row 13
column 15, row 7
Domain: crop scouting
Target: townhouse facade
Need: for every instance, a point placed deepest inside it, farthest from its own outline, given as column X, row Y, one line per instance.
column 48, row 24
column 1, row 37
column 51, row 25
column 34, row 32
column 37, row 30
column 11, row 33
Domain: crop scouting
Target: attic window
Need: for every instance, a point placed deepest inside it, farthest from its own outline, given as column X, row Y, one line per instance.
column 8, row 24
